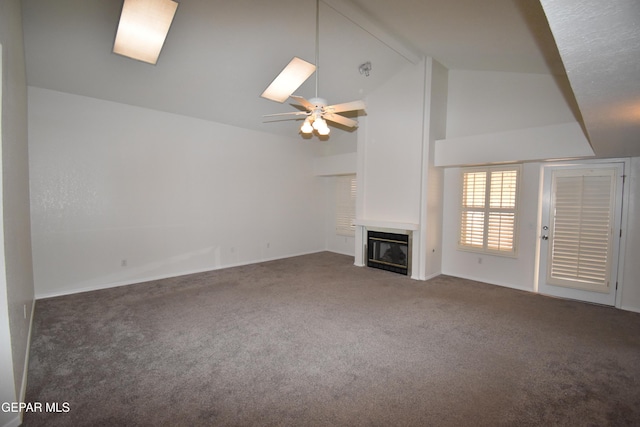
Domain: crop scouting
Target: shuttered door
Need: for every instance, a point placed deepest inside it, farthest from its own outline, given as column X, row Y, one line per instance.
column 582, row 228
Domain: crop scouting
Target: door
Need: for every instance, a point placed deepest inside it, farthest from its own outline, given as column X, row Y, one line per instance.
column 580, row 235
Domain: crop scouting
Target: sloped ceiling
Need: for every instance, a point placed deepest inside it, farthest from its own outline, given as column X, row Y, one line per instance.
column 218, row 57
column 599, row 42
column 220, row 54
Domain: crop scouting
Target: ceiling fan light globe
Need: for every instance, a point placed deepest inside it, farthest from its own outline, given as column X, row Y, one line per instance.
column 324, row 131
column 319, row 123
column 306, row 127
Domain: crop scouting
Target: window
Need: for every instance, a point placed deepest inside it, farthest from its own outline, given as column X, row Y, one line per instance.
column 345, row 205
column 489, row 209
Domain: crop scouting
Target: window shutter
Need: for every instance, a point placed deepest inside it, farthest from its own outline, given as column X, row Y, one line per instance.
column 582, row 228
column 502, row 215
column 346, row 187
column 473, row 202
column 488, row 214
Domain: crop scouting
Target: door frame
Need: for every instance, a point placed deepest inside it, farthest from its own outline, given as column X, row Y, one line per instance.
column 544, row 198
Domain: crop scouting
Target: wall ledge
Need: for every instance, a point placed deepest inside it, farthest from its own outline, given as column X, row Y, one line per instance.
column 410, row 226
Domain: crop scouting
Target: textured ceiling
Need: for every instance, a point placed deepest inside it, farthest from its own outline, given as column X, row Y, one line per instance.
column 600, row 46
column 220, row 54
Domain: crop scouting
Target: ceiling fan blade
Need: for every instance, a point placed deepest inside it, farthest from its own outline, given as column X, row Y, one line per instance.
column 340, row 119
column 306, row 104
column 289, row 79
column 294, row 113
column 347, row 106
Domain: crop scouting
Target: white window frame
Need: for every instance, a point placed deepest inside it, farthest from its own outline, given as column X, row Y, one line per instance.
column 346, row 187
column 486, row 209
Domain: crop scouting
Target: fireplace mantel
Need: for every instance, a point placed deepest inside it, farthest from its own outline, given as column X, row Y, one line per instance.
column 387, row 224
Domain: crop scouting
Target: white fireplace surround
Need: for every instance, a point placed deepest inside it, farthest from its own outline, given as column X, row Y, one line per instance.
column 363, row 225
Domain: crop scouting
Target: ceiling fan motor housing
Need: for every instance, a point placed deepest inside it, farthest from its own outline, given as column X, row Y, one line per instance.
column 318, row 102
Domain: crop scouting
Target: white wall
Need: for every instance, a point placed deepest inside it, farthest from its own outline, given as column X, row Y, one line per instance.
column 390, row 159
column 169, row 194
column 502, row 117
column 497, row 117
column 16, row 281
column 392, row 149
column 489, row 111
column 433, row 177
column 558, row 141
column 488, row 101
column 399, row 189
column 517, row 272
column 630, row 298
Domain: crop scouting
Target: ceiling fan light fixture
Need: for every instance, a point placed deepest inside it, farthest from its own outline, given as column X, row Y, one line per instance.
column 324, row 131
column 143, row 28
column 306, row 127
column 316, row 109
column 289, row 79
column 319, row 123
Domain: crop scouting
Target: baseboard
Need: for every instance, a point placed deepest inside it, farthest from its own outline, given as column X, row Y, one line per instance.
column 429, row 277
column 17, row 420
column 627, row 308
column 23, row 387
column 433, row 276
column 166, row 276
column 341, row 252
column 481, row 280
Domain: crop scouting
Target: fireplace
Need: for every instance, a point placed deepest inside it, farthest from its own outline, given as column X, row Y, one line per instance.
column 388, row 251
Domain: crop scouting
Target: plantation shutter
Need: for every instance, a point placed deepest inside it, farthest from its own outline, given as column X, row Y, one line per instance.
column 346, row 205
column 502, row 213
column 473, row 203
column 488, row 214
column 582, row 228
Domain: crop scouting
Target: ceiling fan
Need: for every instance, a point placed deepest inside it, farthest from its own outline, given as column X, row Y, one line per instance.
column 317, row 111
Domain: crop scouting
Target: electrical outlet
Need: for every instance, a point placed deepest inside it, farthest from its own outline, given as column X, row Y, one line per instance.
column 268, row 245
column 123, row 263
column 479, row 260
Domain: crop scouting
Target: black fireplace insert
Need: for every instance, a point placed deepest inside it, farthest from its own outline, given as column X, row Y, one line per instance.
column 388, row 251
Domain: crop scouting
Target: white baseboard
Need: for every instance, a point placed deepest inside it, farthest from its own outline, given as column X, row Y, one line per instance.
column 166, row 276
column 627, row 308
column 341, row 252
column 482, row 280
column 23, row 387
column 429, row 277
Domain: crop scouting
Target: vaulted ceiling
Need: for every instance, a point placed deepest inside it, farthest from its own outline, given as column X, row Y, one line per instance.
column 220, row 55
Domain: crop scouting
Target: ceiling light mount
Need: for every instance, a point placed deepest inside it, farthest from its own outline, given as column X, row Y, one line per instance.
column 365, row 68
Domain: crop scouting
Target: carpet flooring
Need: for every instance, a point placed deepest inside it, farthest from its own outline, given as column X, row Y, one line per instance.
column 316, row 341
